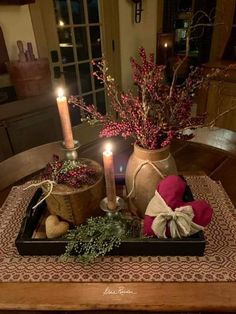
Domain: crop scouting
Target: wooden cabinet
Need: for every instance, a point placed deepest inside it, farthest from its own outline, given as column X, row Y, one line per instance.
column 223, row 38
column 221, row 98
column 28, row 123
column 34, row 129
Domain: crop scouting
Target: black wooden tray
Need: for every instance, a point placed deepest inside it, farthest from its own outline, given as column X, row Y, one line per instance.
column 26, row 245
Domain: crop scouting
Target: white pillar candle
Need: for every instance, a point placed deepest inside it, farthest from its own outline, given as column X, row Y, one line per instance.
column 65, row 119
column 109, row 177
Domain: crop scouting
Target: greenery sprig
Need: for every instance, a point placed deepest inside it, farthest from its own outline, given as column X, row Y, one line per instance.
column 97, row 237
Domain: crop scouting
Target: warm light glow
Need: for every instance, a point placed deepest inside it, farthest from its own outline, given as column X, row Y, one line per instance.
column 108, row 149
column 165, row 45
column 60, row 92
column 61, row 23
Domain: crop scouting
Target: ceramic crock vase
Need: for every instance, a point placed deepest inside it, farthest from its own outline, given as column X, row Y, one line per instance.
column 145, row 169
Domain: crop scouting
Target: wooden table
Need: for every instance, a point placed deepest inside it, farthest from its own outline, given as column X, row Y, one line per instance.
column 216, row 156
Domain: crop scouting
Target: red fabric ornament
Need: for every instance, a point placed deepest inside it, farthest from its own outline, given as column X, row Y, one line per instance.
column 172, row 190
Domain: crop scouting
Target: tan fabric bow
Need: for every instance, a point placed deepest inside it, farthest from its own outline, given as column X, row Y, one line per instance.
column 179, row 221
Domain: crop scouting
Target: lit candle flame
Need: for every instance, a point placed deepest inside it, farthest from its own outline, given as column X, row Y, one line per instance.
column 60, row 92
column 61, row 23
column 165, row 45
column 108, row 149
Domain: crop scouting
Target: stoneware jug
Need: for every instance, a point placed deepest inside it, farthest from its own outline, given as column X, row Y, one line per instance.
column 145, row 169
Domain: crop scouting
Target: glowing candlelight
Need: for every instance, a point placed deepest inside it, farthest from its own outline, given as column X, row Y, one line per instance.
column 61, row 23
column 165, row 52
column 65, row 119
column 109, row 177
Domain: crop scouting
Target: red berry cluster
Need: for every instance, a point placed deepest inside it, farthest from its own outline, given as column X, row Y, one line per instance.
column 74, row 174
column 156, row 112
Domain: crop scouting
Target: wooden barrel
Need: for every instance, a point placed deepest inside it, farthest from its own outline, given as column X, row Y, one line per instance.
column 30, row 78
column 76, row 205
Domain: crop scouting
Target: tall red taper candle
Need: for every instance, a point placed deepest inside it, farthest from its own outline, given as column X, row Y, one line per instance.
column 109, row 177
column 65, row 119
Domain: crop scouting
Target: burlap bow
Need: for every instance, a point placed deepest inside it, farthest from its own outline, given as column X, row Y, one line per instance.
column 179, row 221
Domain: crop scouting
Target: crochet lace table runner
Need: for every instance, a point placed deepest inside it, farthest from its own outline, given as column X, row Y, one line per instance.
column 218, row 263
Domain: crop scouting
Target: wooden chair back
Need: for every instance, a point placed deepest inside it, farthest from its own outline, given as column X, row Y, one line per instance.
column 217, row 138
column 26, row 163
column 33, row 160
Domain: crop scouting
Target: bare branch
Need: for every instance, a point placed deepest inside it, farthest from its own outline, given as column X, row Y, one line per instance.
column 189, row 30
column 212, row 123
column 175, row 75
column 199, row 36
column 205, row 25
column 202, row 15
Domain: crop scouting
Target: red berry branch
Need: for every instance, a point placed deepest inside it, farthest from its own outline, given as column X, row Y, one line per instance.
column 155, row 112
column 74, row 174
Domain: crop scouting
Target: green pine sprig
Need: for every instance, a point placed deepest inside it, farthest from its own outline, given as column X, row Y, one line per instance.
column 97, row 237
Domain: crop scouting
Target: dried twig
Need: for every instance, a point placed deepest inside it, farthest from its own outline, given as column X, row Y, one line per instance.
column 175, row 75
column 213, row 122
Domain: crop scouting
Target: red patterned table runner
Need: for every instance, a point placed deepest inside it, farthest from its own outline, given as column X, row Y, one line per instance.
column 218, row 264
